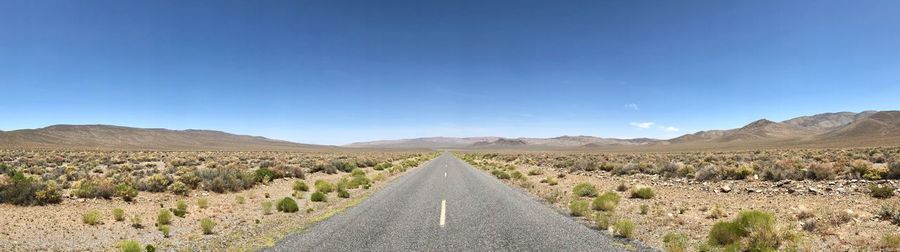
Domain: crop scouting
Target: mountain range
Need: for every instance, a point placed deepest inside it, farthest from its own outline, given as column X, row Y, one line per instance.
column 842, row 129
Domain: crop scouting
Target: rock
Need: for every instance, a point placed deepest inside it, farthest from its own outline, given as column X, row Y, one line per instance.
column 725, row 189
column 751, row 190
column 791, row 190
column 814, row 190
column 782, row 183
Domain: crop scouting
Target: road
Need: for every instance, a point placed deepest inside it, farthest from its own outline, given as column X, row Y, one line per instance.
column 447, row 205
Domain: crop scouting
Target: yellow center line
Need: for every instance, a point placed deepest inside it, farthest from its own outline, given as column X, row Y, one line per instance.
column 443, row 211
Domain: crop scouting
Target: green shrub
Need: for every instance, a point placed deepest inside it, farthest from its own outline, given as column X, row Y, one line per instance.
column 267, row 207
column 150, row 248
column 164, row 217
column 602, row 219
column 287, row 205
column 240, row 199
column 881, row 192
column 95, row 189
column 342, row 193
column 118, row 214
column 725, row 233
column 585, row 190
column 643, row 193
column 579, row 208
column 265, row 175
column 301, row 186
column 180, row 208
column 318, row 197
column 165, row 230
column 758, row 228
column 126, row 192
column 501, row 174
column 232, row 178
column 179, row 188
column 517, row 175
column 324, row 186
column 137, row 221
column 357, row 172
column 890, row 242
column 202, row 203
column 358, row 181
column 675, row 242
column 129, row 246
column 207, row 226
column 382, row 166
column 644, row 209
column 606, row 202
column 91, row 217
column 624, row 228
column 535, row 172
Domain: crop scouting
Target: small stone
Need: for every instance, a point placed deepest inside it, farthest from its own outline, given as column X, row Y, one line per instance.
column 725, row 189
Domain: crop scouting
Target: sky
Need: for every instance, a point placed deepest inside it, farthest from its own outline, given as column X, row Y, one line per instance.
column 336, row 72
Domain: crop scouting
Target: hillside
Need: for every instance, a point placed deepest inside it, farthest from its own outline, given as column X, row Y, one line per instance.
column 107, row 137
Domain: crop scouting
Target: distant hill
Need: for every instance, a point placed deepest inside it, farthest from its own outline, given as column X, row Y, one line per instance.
column 108, row 137
column 842, row 129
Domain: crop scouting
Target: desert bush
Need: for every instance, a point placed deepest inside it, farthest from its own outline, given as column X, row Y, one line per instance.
column 889, row 212
column 624, row 228
column 207, row 226
column 585, row 190
column 642, row 193
column 287, row 205
column 91, row 217
column 318, row 197
column 357, row 172
column 324, row 186
column 535, row 172
column 203, row 203
column 820, row 171
column 95, row 189
column 644, row 209
column 675, row 242
column 602, row 219
column 756, row 228
column 707, row 172
column 301, row 186
column 742, row 171
column 126, row 192
column 517, row 175
column 622, row 187
column 881, row 192
column 500, row 174
column 267, row 207
column 155, row 183
column 129, row 246
column 344, row 165
column 890, row 242
column 383, row 166
column 137, row 221
column 165, row 230
column 343, row 193
column 180, row 208
column 606, row 202
column 164, row 217
column 118, row 214
column 893, row 170
column 226, row 179
column 264, row 175
column 359, row 180
column 579, row 207
column 627, row 169
column 783, row 170
column 179, row 188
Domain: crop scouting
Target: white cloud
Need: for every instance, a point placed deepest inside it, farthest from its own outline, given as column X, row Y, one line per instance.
column 632, row 106
column 642, row 125
column 670, row 129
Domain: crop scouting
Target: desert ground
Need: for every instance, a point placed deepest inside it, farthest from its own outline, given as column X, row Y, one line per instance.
column 817, row 200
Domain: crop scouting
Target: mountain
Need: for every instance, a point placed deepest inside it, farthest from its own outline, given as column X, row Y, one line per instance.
column 108, row 137
column 841, row 129
column 562, row 142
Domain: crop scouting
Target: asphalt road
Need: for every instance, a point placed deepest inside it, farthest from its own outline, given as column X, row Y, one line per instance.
column 447, row 205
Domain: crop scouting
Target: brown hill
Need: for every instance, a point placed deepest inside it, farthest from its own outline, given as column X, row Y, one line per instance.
column 107, row 137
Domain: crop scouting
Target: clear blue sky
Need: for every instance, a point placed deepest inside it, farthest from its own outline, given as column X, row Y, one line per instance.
column 335, row 72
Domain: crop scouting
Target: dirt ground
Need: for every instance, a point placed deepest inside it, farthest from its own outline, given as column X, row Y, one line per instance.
column 843, row 211
column 239, row 226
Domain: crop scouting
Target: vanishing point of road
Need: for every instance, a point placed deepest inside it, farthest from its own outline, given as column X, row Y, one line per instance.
column 447, row 205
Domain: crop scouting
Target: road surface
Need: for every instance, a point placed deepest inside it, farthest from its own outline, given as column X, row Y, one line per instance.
column 447, row 205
